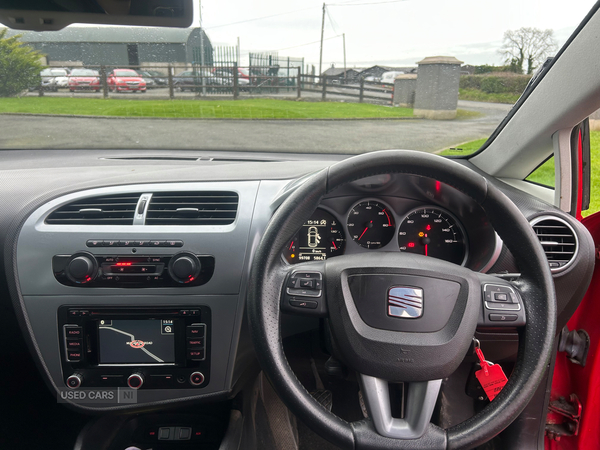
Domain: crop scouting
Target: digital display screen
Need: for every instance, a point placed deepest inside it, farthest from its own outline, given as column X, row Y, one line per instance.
column 149, row 341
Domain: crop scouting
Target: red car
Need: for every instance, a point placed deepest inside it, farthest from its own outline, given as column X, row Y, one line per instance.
column 122, row 80
column 84, row 80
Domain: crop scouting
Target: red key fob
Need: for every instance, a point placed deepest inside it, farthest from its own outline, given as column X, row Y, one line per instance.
column 491, row 377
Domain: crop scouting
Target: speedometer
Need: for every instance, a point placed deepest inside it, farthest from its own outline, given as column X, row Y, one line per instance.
column 321, row 237
column 434, row 232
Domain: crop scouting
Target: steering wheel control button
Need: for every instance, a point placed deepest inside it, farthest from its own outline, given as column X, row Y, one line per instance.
column 503, row 306
column 304, row 293
column 306, row 304
column 135, row 381
column 503, row 317
column 74, row 381
column 500, row 297
column 196, row 378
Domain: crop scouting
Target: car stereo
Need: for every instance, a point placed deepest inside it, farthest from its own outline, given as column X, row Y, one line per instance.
column 149, row 348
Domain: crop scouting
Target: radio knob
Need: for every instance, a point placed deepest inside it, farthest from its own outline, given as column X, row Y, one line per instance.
column 82, row 268
column 74, row 381
column 135, row 380
column 184, row 267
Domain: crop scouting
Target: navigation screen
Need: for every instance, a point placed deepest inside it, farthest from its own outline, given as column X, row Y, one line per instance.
column 136, row 341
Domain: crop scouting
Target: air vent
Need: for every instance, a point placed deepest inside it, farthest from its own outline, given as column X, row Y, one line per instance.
column 558, row 240
column 192, row 208
column 106, row 210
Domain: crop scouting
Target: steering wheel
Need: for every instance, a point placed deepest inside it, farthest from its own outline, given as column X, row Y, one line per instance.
column 384, row 349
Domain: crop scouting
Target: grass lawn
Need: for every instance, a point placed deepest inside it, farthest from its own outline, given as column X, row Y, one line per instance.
column 201, row 109
column 545, row 173
column 480, row 96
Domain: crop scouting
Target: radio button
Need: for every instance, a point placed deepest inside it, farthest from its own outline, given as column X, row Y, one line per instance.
column 74, row 381
column 197, row 378
column 194, row 343
column 74, row 332
column 74, row 355
column 193, row 331
column 135, row 381
column 194, row 312
column 74, row 344
column 73, row 312
column 196, row 355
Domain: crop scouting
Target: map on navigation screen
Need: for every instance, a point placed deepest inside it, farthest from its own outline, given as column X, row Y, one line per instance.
column 136, row 341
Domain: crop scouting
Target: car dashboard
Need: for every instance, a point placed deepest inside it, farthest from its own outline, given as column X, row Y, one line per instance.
column 130, row 269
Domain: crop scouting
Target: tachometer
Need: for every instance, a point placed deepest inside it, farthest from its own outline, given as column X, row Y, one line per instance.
column 321, row 237
column 371, row 224
column 431, row 231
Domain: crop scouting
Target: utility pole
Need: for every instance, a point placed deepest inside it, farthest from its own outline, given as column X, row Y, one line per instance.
column 345, row 73
column 322, row 33
column 201, row 50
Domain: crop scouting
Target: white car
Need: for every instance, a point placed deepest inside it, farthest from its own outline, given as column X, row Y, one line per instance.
column 389, row 77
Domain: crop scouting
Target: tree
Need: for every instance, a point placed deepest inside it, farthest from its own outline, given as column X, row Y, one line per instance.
column 20, row 65
column 527, row 45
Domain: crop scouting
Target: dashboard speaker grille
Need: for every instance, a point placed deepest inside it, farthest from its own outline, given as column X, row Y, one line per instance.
column 104, row 210
column 558, row 240
column 192, row 208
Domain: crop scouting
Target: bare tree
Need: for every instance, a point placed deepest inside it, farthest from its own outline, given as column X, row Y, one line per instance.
column 527, row 45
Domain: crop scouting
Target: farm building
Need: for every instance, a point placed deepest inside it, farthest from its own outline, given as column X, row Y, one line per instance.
column 114, row 45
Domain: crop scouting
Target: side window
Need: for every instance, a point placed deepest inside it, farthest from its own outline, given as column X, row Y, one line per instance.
column 544, row 174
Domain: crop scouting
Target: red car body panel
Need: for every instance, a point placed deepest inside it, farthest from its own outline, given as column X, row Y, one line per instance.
column 84, row 83
column 131, row 82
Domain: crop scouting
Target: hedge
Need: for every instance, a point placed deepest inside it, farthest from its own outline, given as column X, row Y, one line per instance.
column 497, row 83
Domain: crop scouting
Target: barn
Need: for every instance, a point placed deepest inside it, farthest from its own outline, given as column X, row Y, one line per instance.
column 120, row 46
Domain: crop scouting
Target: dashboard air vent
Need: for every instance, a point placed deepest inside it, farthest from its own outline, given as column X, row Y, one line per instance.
column 192, row 208
column 105, row 210
column 558, row 240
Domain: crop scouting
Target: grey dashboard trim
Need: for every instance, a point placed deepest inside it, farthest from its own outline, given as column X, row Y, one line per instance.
column 40, row 296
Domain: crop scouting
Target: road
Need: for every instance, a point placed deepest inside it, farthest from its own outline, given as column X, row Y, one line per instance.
column 311, row 136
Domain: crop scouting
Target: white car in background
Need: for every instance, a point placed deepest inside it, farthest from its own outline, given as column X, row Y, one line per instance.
column 389, row 77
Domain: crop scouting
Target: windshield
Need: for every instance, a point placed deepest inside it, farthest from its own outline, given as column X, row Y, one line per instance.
column 343, row 77
column 84, row 73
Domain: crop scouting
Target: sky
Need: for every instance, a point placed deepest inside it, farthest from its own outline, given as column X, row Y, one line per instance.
column 388, row 32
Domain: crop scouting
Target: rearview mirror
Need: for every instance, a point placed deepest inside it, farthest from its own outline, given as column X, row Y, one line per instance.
column 57, row 14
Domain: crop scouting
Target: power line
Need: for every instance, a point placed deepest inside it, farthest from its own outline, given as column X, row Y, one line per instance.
column 258, row 18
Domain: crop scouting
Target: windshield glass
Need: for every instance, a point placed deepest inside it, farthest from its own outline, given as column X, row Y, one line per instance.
column 84, row 73
column 343, row 77
column 126, row 73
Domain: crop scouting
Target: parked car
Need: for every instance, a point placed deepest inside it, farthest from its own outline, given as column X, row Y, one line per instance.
column 53, row 79
column 148, row 79
column 191, row 79
column 389, row 77
column 84, row 80
column 125, row 80
column 159, row 78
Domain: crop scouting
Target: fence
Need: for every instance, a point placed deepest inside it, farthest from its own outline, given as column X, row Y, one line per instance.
column 363, row 91
column 185, row 81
